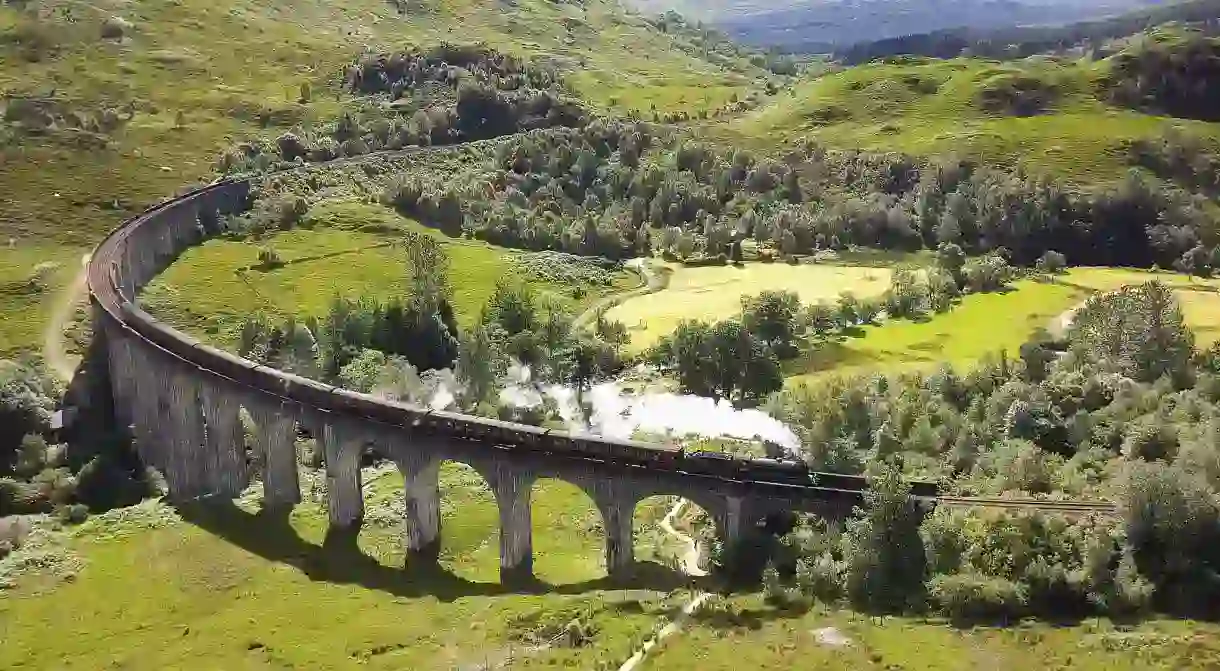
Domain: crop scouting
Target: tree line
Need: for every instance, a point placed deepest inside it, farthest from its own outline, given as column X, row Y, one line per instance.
column 620, row 189
column 398, row 348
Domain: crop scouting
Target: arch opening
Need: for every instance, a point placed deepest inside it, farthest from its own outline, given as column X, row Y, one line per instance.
column 674, row 532
column 469, row 523
column 568, row 533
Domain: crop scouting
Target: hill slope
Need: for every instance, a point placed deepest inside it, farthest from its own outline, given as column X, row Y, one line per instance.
column 1021, row 41
column 110, row 106
column 1041, row 114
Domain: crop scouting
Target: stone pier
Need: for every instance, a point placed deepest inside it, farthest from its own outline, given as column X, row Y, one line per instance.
column 422, row 498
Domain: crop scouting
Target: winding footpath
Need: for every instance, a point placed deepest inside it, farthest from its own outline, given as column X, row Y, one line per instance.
column 690, row 565
column 53, row 351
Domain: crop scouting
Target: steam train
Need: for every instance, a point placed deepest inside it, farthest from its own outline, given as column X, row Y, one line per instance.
column 501, row 434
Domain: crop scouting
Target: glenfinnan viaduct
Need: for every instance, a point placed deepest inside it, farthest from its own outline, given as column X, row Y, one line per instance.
column 182, row 400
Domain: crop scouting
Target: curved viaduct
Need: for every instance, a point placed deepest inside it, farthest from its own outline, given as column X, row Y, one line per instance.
column 182, row 401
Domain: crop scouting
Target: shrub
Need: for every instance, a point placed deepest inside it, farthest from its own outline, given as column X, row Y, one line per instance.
column 268, row 258
column 105, row 482
column 115, row 28
column 13, row 532
column 21, row 498
column 290, row 211
column 821, row 577
column 75, row 513
column 969, row 597
column 1052, row 262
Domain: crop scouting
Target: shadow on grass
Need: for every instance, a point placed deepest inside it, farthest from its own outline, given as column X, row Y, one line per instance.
column 339, row 560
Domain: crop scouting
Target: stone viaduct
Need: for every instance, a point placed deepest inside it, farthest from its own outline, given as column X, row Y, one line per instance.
column 182, row 401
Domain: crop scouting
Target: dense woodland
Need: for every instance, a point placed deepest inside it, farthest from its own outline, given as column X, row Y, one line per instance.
column 446, row 95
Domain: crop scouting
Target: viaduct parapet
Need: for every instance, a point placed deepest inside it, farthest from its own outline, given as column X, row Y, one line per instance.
column 183, row 402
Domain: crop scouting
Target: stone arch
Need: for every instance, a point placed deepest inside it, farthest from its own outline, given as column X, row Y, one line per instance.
column 661, row 534
column 568, row 529
column 465, row 532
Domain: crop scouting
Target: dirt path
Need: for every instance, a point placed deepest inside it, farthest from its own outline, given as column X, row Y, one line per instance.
column 1059, row 325
column 61, row 313
column 651, row 281
column 689, row 558
column 690, row 566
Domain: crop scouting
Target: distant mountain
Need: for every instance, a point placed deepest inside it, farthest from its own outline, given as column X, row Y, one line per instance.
column 818, row 25
column 1021, row 41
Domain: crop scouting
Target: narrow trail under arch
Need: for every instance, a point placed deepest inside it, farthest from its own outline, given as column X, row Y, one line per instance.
column 689, row 562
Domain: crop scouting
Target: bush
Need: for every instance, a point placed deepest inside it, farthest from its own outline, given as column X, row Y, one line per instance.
column 105, row 482
column 115, row 28
column 969, row 597
column 76, row 513
column 13, row 532
column 268, row 258
column 821, row 577
column 21, row 498
column 1052, row 262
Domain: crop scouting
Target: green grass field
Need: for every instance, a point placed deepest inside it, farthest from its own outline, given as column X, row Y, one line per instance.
column 715, row 293
column 204, row 294
column 979, row 325
column 985, row 324
column 932, row 107
column 231, row 589
column 744, row 633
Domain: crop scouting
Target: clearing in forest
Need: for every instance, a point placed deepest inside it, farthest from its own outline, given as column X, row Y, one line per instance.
column 714, row 293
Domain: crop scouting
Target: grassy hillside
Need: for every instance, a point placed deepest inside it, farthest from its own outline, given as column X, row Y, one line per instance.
column 174, row 83
column 1055, row 124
